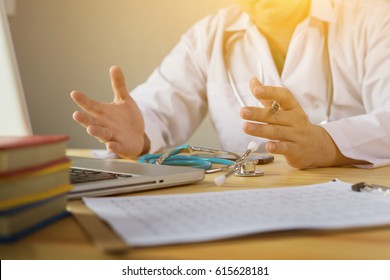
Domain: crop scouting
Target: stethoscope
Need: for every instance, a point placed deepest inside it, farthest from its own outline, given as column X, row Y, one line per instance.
column 275, row 105
column 173, row 157
column 241, row 166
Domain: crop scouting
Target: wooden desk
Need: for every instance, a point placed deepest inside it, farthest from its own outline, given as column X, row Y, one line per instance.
column 66, row 240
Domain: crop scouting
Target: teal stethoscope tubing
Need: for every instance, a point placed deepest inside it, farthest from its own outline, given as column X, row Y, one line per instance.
column 184, row 160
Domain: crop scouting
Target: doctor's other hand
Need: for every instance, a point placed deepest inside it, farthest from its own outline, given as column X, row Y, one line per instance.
column 119, row 124
column 303, row 144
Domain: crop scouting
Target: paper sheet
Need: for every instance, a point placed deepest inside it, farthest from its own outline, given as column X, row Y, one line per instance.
column 171, row 219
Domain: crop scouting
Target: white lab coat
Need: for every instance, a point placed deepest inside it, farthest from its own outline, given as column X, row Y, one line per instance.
column 193, row 78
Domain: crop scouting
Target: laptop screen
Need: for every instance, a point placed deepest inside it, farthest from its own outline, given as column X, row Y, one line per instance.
column 14, row 116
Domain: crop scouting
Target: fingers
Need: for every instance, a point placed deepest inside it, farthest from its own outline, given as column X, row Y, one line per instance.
column 83, row 119
column 266, row 115
column 282, row 95
column 281, row 148
column 289, row 151
column 118, row 84
column 255, row 83
column 268, row 94
column 94, row 107
column 272, row 132
column 113, row 147
column 84, row 102
column 102, row 134
column 116, row 148
column 121, row 150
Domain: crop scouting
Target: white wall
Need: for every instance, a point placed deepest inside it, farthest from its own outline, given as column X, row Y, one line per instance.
column 63, row 45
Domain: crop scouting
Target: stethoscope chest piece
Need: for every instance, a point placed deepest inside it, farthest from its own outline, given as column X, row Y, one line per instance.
column 248, row 169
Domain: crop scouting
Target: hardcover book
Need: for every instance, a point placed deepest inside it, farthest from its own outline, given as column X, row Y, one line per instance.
column 18, row 152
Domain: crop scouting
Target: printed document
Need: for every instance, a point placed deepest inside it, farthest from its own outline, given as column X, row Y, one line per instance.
column 171, row 219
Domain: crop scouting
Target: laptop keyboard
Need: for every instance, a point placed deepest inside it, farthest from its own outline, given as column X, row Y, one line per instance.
column 78, row 176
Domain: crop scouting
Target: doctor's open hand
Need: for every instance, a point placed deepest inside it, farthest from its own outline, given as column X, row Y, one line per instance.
column 118, row 124
column 303, row 144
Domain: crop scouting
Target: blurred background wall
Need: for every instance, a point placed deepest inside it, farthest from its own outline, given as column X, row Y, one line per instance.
column 63, row 45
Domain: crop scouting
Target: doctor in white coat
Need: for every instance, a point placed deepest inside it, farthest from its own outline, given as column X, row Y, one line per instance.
column 319, row 59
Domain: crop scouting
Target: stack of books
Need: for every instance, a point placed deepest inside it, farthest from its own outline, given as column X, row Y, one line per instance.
column 34, row 181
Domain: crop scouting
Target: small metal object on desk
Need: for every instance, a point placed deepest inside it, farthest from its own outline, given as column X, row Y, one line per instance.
column 275, row 106
column 358, row 187
column 248, row 169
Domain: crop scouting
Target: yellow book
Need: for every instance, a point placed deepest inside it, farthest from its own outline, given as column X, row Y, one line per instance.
column 32, row 182
column 25, row 199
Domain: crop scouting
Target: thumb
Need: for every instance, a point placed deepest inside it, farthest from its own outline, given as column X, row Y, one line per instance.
column 118, row 84
column 253, row 84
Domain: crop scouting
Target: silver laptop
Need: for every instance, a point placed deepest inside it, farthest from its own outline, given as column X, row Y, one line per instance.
column 90, row 177
column 98, row 177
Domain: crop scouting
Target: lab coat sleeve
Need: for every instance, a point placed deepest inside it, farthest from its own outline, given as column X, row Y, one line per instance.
column 173, row 99
column 367, row 137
